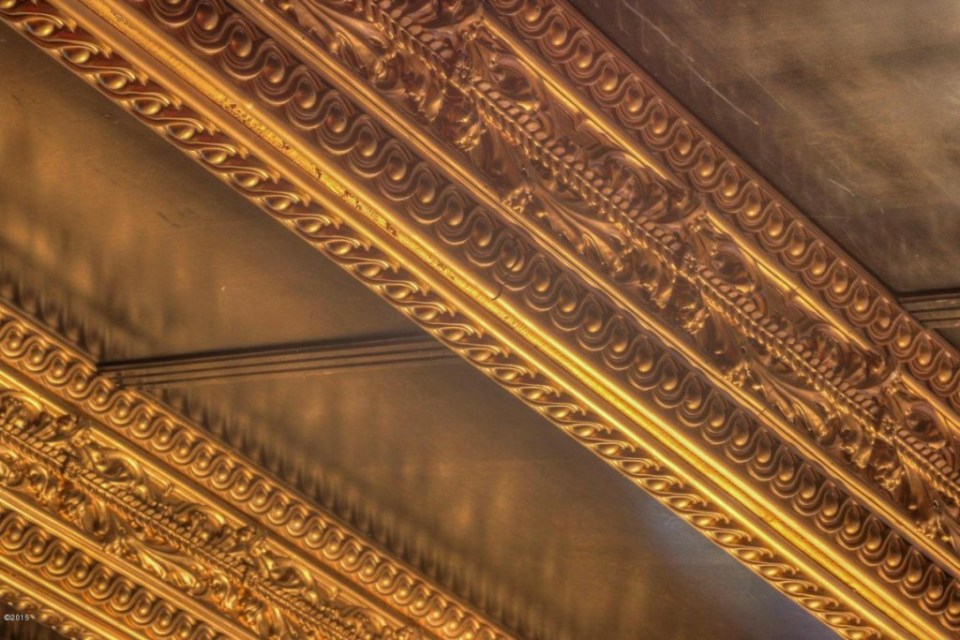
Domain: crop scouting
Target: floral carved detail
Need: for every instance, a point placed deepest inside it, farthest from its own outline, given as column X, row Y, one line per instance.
column 345, row 552
column 661, row 271
column 70, row 570
column 691, row 271
column 604, row 75
column 59, row 464
column 661, row 243
column 792, row 247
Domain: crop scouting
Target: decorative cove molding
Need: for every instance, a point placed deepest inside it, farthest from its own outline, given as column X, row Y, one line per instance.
column 58, row 464
column 658, row 248
column 121, row 505
column 511, row 182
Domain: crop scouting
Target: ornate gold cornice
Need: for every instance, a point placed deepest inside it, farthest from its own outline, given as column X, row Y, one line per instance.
column 48, row 610
column 509, row 180
column 120, row 537
column 222, row 549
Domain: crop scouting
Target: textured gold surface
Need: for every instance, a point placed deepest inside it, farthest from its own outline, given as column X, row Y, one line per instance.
column 58, row 465
column 580, row 239
column 844, row 105
column 168, row 528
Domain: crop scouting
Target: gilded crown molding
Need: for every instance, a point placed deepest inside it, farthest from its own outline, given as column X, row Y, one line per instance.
column 511, row 182
column 48, row 611
column 611, row 206
column 57, row 466
column 223, row 552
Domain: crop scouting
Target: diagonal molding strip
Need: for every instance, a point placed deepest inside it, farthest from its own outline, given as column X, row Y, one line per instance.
column 51, row 610
column 937, row 310
column 554, row 219
column 322, row 357
column 765, row 341
column 768, row 323
column 216, row 576
column 225, row 476
column 328, row 233
column 224, row 551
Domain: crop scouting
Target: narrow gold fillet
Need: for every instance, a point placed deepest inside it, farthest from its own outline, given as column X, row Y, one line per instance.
column 408, row 242
column 429, row 147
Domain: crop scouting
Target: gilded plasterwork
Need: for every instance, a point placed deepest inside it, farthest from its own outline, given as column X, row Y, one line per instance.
column 657, row 244
column 134, row 517
column 59, row 465
column 566, row 229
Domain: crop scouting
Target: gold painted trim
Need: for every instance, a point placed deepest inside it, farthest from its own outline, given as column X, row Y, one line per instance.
column 330, row 234
column 133, row 518
column 225, row 476
column 52, row 610
column 433, row 148
column 604, row 331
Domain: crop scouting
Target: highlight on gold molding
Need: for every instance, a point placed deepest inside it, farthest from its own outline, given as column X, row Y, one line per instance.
column 721, row 304
column 711, row 263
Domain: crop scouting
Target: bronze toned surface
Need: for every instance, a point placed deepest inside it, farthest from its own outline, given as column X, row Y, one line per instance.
column 515, row 523
column 68, row 230
column 331, row 356
column 939, row 310
column 513, row 184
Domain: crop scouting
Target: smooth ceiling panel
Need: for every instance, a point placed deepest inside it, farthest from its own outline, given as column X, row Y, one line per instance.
column 108, row 221
column 467, row 479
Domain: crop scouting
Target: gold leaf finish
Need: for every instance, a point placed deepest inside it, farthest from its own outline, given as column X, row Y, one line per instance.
column 508, row 180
